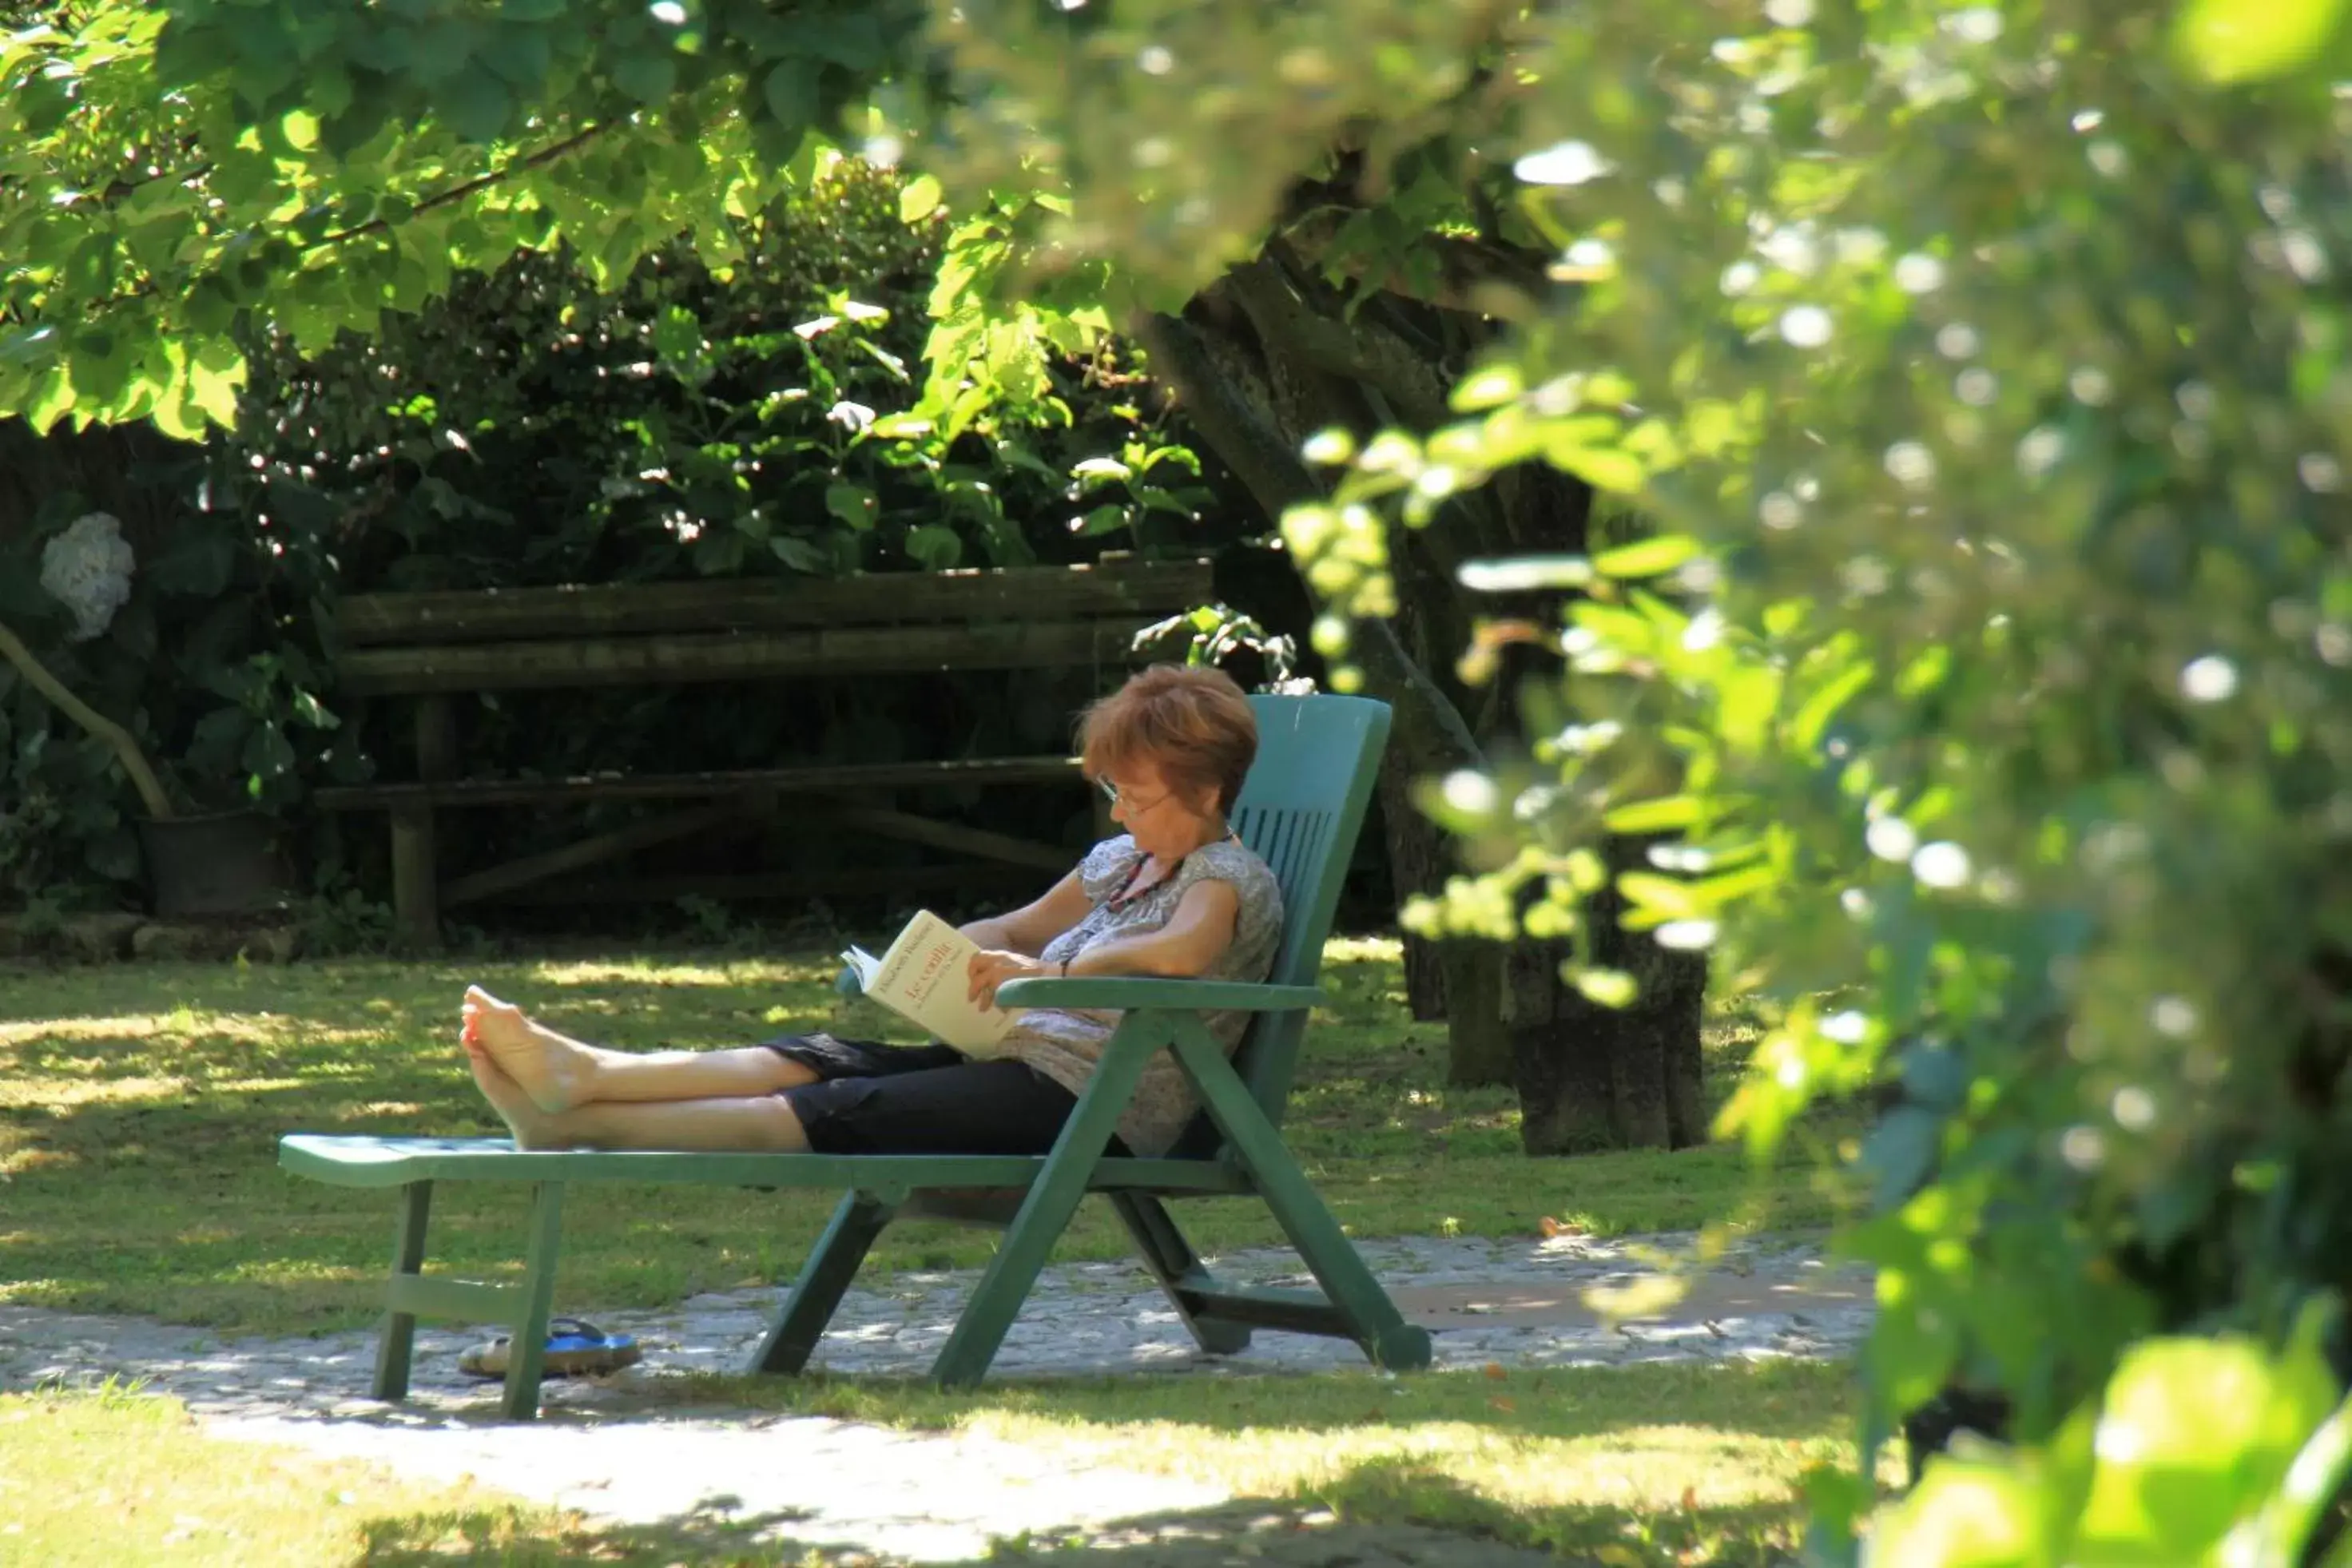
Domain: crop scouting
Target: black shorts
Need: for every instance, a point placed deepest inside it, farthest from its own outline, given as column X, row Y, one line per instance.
column 872, row 1099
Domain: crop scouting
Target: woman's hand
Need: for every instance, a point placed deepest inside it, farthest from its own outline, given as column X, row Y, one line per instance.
column 992, row 967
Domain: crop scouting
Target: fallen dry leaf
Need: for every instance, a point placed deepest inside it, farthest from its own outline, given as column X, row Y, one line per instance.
column 1495, row 1370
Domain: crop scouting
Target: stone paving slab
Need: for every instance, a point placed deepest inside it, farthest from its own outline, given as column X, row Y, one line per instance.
column 620, row 1448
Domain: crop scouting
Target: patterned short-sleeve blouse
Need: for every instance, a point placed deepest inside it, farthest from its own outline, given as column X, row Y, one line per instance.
column 1065, row 1045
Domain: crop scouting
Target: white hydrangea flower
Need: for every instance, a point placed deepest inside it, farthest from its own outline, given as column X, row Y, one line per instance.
column 88, row 569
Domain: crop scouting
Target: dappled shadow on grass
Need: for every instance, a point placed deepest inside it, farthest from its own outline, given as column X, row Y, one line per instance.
column 1396, row 1512
column 1779, row 1401
column 708, row 1534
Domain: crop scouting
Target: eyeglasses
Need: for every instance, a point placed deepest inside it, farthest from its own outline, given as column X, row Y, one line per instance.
column 1110, row 794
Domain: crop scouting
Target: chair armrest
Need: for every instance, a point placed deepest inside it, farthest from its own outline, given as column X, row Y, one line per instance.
column 1128, row 992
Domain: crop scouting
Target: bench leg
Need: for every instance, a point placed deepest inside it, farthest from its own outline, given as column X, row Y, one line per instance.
column 1044, row 1214
column 823, row 1279
column 526, row 1352
column 396, row 1340
column 1329, row 1256
column 416, row 899
column 1173, row 1263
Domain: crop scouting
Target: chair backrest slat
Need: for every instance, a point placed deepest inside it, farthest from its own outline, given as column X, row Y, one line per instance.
column 1300, row 810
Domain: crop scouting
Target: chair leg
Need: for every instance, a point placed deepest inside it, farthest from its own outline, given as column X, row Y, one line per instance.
column 526, row 1352
column 1329, row 1256
column 823, row 1279
column 396, row 1340
column 1174, row 1264
column 1052, row 1197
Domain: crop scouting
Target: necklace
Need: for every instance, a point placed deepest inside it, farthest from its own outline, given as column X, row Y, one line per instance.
column 1137, row 888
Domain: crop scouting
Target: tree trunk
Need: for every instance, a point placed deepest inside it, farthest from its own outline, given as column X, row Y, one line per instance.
column 1478, row 1038
column 1592, row 1077
column 1417, row 864
column 1260, row 361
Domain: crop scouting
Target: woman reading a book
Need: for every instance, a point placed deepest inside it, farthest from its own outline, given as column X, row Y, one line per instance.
column 1176, row 895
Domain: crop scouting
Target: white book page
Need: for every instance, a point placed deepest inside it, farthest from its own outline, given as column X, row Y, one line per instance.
column 922, row 977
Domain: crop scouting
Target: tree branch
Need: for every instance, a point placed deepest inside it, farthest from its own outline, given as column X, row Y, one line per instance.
column 1285, row 319
column 458, row 193
column 1473, row 274
column 1269, row 466
column 134, row 762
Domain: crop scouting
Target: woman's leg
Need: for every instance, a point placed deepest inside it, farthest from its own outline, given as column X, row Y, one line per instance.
column 759, row 1124
column 559, row 1073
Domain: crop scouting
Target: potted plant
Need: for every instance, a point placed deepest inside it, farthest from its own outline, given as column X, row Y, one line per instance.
column 209, row 862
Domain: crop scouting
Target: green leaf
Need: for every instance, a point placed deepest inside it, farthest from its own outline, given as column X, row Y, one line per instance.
column 853, row 504
column 216, row 390
column 1660, row 898
column 180, row 419
column 936, row 546
column 2193, row 1433
column 1607, row 987
column 2226, row 41
column 919, row 199
column 1670, row 814
column 1603, row 467
column 790, row 93
column 1647, row 557
column 477, row 105
column 1488, row 387
column 851, row 39
column 648, row 74
column 268, row 752
column 800, row 554
column 678, row 334
column 1968, row 1513
column 1812, row 717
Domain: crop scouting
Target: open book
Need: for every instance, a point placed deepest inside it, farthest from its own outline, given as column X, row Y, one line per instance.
column 921, row 977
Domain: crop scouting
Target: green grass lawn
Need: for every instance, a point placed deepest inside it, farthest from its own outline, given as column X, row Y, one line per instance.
column 99, row 1478
column 141, row 1105
column 1635, row 1468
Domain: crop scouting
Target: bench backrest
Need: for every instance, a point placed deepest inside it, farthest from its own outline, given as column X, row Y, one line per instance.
column 1300, row 810
column 658, row 633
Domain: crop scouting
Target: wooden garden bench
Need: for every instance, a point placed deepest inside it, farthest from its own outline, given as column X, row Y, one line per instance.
column 1300, row 810
column 429, row 647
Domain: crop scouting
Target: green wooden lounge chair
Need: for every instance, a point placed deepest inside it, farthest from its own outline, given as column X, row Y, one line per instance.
column 1300, row 810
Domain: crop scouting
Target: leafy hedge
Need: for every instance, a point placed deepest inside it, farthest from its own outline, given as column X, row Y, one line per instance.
column 770, row 417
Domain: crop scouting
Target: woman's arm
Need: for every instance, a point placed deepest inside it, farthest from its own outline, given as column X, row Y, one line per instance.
column 1195, row 936
column 1028, row 928
column 1200, row 927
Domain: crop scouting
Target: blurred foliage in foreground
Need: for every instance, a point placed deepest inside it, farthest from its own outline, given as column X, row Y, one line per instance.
column 1989, row 679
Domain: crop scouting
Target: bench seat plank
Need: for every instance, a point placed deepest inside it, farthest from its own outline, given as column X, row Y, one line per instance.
column 846, row 779
column 360, row 1161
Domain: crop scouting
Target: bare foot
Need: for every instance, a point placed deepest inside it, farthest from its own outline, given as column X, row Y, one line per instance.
column 555, row 1072
column 532, row 1128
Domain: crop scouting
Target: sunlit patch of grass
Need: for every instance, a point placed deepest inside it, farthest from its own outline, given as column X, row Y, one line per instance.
column 140, row 1106
column 1661, row 1460
column 94, row 1479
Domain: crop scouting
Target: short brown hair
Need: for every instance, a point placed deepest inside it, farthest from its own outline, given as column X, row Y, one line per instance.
column 1192, row 724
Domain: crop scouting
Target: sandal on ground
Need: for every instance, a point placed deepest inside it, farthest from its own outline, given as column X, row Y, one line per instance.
column 575, row 1347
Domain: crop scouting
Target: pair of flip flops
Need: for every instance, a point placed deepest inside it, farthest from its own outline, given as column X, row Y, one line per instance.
column 575, row 1348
